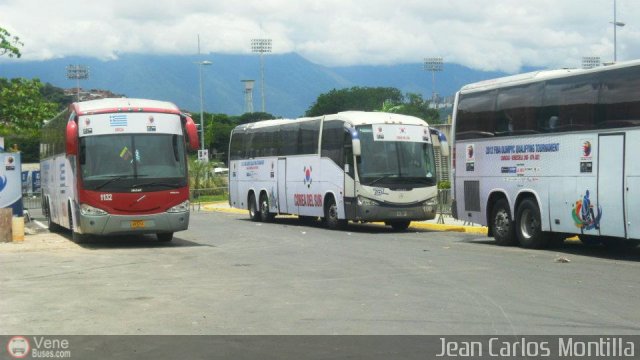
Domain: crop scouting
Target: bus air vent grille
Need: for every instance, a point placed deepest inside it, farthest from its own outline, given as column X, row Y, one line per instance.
column 472, row 196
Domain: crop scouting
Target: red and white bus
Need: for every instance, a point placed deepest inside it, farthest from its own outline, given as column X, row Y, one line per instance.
column 117, row 166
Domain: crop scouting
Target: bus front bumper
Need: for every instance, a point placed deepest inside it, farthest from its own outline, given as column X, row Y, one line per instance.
column 389, row 212
column 134, row 224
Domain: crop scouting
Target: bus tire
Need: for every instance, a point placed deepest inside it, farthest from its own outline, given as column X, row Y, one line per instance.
column 399, row 225
column 53, row 227
column 528, row 226
column 165, row 237
column 265, row 215
column 331, row 215
column 75, row 236
column 502, row 223
column 254, row 214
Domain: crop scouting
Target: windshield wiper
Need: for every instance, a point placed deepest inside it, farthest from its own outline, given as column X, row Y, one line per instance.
column 385, row 177
column 113, row 179
column 157, row 183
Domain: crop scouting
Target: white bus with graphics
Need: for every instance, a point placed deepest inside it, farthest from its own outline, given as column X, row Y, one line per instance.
column 359, row 166
column 542, row 155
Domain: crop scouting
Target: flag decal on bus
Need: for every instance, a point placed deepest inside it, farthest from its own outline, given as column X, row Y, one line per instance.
column 118, row 120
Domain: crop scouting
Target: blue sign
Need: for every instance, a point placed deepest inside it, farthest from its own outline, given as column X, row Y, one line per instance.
column 35, row 181
column 11, row 182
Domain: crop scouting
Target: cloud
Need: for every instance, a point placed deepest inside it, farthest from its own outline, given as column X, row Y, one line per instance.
column 483, row 34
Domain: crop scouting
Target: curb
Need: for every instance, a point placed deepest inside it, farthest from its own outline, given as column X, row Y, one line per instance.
column 415, row 224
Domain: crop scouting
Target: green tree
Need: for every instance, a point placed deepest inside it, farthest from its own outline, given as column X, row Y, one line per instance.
column 9, row 44
column 253, row 117
column 218, row 127
column 23, row 110
column 414, row 105
column 355, row 98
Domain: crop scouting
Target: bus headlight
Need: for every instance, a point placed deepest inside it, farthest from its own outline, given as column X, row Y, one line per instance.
column 430, row 205
column 182, row 207
column 88, row 210
column 363, row 201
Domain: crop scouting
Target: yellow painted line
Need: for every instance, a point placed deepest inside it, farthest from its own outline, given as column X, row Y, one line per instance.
column 223, row 207
column 454, row 228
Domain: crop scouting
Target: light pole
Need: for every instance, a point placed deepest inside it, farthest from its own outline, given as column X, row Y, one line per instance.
column 200, row 65
column 261, row 46
column 248, row 95
column 78, row 72
column 433, row 64
column 616, row 24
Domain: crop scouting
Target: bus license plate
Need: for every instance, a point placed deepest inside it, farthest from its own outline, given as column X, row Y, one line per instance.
column 401, row 213
column 137, row 224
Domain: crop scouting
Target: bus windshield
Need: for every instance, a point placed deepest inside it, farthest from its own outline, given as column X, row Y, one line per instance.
column 150, row 162
column 385, row 163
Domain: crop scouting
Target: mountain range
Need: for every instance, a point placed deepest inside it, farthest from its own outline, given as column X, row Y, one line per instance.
column 292, row 83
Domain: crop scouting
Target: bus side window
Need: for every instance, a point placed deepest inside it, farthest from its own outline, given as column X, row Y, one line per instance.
column 333, row 143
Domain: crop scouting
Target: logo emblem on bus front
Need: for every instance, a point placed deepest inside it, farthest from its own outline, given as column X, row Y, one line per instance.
column 586, row 149
column 307, row 176
column 470, row 152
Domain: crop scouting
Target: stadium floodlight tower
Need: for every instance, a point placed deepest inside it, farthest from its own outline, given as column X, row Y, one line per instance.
column 590, row 62
column 616, row 24
column 77, row 72
column 261, row 46
column 248, row 95
column 433, row 64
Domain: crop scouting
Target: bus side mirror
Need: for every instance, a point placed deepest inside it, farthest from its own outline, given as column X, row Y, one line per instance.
column 357, row 150
column 439, row 139
column 72, row 138
column 192, row 134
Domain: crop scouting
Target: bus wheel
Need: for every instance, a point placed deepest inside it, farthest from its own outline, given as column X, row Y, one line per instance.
column 331, row 215
column 165, row 237
column 528, row 227
column 75, row 236
column 503, row 229
column 254, row 214
column 265, row 215
column 53, row 227
column 399, row 225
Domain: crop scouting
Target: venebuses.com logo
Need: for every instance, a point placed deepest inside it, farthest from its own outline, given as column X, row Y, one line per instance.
column 38, row 347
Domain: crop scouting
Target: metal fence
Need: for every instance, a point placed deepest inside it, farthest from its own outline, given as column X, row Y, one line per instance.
column 444, row 204
column 31, row 200
column 199, row 196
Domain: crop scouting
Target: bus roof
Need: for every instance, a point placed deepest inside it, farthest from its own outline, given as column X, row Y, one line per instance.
column 123, row 104
column 366, row 118
column 541, row 75
column 352, row 117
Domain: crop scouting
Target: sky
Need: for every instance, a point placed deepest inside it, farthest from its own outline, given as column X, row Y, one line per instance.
column 489, row 35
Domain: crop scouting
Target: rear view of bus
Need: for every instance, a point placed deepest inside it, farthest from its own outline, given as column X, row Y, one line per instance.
column 117, row 166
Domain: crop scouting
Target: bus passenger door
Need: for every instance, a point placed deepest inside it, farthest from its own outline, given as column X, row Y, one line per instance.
column 350, row 198
column 609, row 207
column 282, row 186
